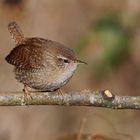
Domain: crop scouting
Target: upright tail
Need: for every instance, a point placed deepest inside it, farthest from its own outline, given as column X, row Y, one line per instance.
column 16, row 33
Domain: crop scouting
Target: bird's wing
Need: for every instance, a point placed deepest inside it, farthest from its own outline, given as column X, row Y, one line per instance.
column 27, row 57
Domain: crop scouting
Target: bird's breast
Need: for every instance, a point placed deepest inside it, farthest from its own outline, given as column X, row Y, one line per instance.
column 45, row 79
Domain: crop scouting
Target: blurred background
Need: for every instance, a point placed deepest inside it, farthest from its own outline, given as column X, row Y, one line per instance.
column 104, row 33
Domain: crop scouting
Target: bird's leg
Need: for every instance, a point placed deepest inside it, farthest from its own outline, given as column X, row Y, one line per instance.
column 26, row 94
column 60, row 92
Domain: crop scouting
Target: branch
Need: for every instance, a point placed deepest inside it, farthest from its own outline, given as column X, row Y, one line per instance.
column 84, row 98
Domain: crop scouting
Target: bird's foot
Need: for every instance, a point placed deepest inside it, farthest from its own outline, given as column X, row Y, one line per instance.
column 26, row 95
column 60, row 92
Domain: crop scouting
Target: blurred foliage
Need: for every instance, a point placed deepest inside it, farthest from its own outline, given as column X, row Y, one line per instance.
column 13, row 2
column 90, row 137
column 82, row 136
column 112, row 39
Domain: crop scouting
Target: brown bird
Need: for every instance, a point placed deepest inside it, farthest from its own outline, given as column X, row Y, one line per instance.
column 41, row 64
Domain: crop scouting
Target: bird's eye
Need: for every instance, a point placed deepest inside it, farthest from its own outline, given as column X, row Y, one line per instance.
column 66, row 60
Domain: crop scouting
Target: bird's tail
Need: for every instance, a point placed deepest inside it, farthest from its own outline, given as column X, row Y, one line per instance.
column 16, row 33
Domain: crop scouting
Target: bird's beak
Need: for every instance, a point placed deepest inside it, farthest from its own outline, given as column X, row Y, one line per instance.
column 80, row 62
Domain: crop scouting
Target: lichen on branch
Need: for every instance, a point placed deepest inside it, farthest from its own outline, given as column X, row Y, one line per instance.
column 90, row 98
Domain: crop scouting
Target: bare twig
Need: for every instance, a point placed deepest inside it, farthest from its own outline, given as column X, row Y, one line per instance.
column 83, row 98
column 81, row 129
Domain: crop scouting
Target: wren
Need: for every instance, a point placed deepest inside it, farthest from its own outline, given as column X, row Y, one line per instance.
column 41, row 64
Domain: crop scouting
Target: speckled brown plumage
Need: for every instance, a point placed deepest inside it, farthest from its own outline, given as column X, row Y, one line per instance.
column 30, row 54
column 40, row 63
